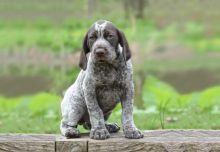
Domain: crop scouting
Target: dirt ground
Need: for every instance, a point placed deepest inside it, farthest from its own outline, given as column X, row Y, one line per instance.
column 12, row 85
column 183, row 80
column 191, row 80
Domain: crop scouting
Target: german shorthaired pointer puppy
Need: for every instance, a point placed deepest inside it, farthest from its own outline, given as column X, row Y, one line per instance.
column 104, row 81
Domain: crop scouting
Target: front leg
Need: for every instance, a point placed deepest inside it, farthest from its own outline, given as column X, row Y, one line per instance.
column 98, row 130
column 129, row 127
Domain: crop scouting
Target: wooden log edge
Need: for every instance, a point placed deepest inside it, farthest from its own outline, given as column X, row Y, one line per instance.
column 153, row 141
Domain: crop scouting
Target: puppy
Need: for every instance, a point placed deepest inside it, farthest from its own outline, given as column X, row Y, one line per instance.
column 104, row 81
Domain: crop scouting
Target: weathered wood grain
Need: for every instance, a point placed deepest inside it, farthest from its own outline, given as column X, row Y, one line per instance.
column 71, row 145
column 182, row 133
column 27, row 143
column 153, row 141
column 162, row 141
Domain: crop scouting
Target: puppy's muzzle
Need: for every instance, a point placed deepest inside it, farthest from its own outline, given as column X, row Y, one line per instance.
column 100, row 52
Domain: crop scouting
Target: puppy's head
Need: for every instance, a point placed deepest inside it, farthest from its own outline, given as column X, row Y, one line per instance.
column 102, row 41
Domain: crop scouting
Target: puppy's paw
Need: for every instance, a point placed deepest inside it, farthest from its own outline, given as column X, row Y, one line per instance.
column 99, row 134
column 112, row 128
column 133, row 133
column 72, row 133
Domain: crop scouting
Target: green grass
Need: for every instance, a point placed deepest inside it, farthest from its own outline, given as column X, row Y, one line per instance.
column 30, row 24
column 69, row 35
column 166, row 97
column 62, row 30
column 189, row 119
column 55, row 39
column 39, row 113
column 164, row 108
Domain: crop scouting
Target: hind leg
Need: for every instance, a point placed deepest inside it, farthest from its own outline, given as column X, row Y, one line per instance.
column 71, row 114
column 111, row 127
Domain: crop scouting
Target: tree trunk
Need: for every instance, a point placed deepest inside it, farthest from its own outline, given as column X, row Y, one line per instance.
column 139, row 83
column 134, row 7
column 140, row 9
column 91, row 7
column 126, row 8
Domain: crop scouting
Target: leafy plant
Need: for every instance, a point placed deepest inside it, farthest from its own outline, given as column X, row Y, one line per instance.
column 158, row 93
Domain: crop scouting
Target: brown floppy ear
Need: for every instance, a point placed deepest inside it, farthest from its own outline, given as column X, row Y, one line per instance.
column 126, row 52
column 85, row 49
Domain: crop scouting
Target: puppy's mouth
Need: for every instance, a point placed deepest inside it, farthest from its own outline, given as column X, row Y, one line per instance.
column 100, row 57
column 101, row 60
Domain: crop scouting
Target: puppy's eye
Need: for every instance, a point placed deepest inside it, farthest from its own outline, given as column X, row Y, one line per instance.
column 92, row 37
column 110, row 36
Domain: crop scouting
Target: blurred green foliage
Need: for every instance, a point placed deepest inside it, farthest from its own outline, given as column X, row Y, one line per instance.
column 159, row 93
column 40, row 113
column 36, row 24
column 69, row 35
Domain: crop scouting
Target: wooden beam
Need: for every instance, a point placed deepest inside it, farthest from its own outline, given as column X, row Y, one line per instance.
column 161, row 141
column 72, row 145
column 27, row 143
column 154, row 141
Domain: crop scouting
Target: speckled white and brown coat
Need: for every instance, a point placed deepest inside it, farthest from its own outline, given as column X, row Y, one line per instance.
column 104, row 81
